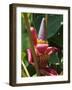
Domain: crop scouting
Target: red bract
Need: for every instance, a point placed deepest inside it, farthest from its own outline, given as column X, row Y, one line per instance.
column 41, row 48
column 44, row 70
column 34, row 35
column 30, row 58
column 48, row 71
column 43, row 53
column 45, row 49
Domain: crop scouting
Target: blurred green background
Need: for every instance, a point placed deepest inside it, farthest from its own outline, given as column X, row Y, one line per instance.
column 54, row 36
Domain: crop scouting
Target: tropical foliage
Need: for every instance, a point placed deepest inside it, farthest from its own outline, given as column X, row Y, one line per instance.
column 54, row 28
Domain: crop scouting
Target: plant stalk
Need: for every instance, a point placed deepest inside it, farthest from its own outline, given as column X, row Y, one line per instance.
column 31, row 43
column 26, row 71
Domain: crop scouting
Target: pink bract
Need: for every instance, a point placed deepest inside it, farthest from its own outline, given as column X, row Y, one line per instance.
column 48, row 71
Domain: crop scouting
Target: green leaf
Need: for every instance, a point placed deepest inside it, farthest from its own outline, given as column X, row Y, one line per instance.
column 25, row 41
column 24, row 35
column 55, row 63
column 25, row 58
column 57, row 39
column 54, row 23
column 23, row 27
column 23, row 55
column 31, row 69
column 53, row 59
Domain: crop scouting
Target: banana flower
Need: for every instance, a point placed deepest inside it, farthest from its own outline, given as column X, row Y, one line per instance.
column 42, row 49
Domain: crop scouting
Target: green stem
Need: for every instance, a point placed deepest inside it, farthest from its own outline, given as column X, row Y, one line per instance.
column 26, row 71
column 31, row 43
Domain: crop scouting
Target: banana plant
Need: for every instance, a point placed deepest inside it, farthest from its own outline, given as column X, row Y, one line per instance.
column 42, row 49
